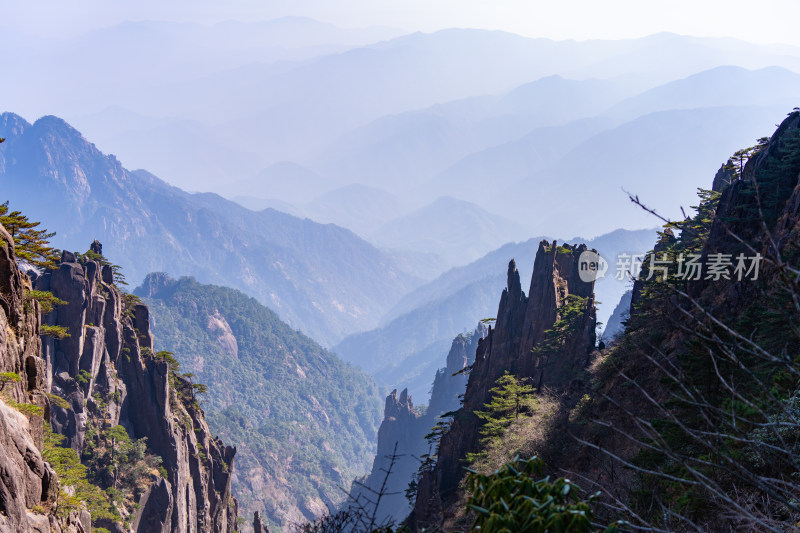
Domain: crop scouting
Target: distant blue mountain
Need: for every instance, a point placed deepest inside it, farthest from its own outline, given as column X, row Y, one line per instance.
column 409, row 342
column 320, row 278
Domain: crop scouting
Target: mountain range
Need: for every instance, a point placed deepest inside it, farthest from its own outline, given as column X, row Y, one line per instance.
column 320, row 278
column 407, row 347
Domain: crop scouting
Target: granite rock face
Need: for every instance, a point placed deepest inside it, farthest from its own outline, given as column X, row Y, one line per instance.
column 405, row 427
column 27, row 481
column 522, row 323
column 258, row 524
column 107, row 372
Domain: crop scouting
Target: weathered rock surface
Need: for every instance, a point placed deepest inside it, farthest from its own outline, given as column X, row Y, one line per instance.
column 258, row 524
column 110, row 353
column 27, row 482
column 405, row 427
column 522, row 323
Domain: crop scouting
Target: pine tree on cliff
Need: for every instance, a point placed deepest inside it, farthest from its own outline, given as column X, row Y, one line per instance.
column 510, row 398
column 31, row 244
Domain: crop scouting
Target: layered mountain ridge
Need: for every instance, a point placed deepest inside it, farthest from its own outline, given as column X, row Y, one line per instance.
column 319, row 277
column 405, row 350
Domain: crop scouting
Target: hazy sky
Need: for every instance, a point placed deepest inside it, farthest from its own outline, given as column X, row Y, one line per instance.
column 767, row 21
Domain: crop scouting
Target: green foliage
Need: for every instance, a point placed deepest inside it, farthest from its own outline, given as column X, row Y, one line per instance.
column 677, row 242
column 517, row 499
column 570, row 314
column 119, row 464
column 563, row 250
column 169, row 357
column 46, row 300
column 8, row 377
column 279, row 389
column 83, row 377
column 129, row 301
column 71, row 473
column 58, row 401
column 30, row 243
column 27, row 409
column 511, row 398
column 57, row 332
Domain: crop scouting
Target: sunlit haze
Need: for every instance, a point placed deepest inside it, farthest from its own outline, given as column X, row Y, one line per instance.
column 770, row 21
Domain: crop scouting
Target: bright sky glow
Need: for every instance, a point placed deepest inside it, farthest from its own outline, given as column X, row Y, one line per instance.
column 767, row 21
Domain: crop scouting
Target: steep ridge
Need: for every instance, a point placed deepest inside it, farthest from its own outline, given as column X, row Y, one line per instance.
column 403, row 352
column 665, row 347
column 29, row 486
column 522, row 323
column 107, row 373
column 621, row 313
column 303, row 422
column 320, row 277
column 682, row 423
column 404, row 427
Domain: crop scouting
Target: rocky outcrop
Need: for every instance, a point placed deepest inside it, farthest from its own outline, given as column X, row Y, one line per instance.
column 405, row 427
column 724, row 177
column 108, row 374
column 28, row 484
column 450, row 382
column 616, row 322
column 775, row 170
column 258, row 524
column 522, row 324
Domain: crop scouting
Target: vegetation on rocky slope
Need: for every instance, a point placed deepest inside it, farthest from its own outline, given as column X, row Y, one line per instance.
column 689, row 421
column 303, row 421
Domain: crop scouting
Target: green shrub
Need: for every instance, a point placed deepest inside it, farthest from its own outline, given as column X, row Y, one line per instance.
column 46, row 300
column 58, row 401
column 71, row 473
column 58, row 332
column 516, row 498
column 27, row 409
column 8, row 377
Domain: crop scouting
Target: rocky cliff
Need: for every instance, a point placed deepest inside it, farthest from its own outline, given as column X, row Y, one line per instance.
column 109, row 375
column 28, row 485
column 523, row 322
column 666, row 423
column 405, row 427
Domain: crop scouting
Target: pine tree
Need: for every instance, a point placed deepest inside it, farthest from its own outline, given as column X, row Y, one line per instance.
column 570, row 314
column 510, row 398
column 118, row 436
column 31, row 244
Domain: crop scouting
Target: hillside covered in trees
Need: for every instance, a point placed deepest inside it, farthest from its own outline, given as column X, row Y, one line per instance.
column 303, row 422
